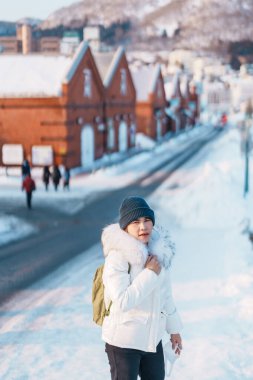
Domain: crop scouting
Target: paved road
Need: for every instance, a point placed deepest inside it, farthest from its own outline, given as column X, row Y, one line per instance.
column 62, row 237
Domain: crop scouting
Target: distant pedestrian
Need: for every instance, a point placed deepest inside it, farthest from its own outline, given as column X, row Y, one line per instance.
column 66, row 178
column 25, row 169
column 56, row 176
column 29, row 186
column 46, row 176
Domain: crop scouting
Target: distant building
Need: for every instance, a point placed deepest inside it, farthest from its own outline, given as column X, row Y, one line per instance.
column 25, row 43
column 9, row 45
column 69, row 43
column 216, row 96
column 241, row 91
column 150, row 101
column 120, row 97
column 21, row 43
column 189, row 110
column 174, row 101
column 92, row 35
column 215, row 99
column 49, row 45
column 182, row 58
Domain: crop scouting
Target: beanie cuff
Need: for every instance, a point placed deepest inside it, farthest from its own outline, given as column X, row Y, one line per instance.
column 135, row 214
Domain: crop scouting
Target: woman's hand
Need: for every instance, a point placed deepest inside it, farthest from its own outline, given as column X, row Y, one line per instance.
column 176, row 343
column 153, row 264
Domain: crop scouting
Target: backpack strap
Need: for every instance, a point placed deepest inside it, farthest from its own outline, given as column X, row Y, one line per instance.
column 107, row 311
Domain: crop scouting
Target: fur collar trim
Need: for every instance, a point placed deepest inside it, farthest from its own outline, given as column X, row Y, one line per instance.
column 134, row 251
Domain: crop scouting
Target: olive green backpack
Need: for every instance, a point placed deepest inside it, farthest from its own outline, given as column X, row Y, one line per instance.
column 98, row 303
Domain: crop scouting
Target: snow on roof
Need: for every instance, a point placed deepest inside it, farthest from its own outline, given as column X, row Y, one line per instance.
column 145, row 79
column 107, row 63
column 170, row 87
column 37, row 75
column 80, row 52
column 184, row 85
column 103, row 61
column 143, row 57
column 32, row 75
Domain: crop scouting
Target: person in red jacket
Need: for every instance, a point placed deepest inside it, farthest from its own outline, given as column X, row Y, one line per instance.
column 29, row 186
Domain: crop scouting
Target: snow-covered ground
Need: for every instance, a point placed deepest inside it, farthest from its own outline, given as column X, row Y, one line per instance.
column 13, row 228
column 83, row 187
column 46, row 332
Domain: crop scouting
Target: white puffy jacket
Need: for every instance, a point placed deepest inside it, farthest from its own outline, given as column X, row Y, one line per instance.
column 142, row 305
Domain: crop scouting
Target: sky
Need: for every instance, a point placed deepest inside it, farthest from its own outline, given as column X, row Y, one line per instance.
column 13, row 10
column 46, row 331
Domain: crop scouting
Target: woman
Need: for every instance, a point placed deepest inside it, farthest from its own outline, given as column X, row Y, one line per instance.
column 136, row 280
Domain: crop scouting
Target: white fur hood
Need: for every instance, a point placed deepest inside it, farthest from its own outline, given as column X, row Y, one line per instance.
column 134, row 251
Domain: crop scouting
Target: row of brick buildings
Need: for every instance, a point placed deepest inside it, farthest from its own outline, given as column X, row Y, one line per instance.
column 73, row 110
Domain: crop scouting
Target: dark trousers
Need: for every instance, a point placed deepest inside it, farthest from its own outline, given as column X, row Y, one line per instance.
column 128, row 363
column 29, row 199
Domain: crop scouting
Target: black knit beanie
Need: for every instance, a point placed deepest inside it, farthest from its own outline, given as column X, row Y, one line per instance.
column 133, row 208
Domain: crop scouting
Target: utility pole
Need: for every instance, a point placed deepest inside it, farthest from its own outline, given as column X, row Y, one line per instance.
column 247, row 145
column 246, row 177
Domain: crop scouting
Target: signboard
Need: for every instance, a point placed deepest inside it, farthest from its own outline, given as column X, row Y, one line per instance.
column 42, row 155
column 12, row 154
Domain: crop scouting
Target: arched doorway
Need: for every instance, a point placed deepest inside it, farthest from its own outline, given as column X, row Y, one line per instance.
column 110, row 135
column 123, row 137
column 158, row 129
column 87, row 146
column 132, row 134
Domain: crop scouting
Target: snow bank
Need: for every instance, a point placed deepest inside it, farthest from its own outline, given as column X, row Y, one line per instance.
column 144, row 141
column 210, row 196
column 13, row 228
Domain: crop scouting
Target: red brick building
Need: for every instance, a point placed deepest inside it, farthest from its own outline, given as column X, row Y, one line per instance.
column 151, row 101
column 174, row 103
column 194, row 102
column 188, row 105
column 183, row 102
column 51, row 108
column 120, row 98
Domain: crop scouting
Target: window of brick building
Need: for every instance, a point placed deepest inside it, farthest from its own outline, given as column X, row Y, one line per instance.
column 87, row 83
column 123, row 82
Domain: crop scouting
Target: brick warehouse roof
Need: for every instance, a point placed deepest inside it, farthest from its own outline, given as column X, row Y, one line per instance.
column 145, row 79
column 107, row 63
column 37, row 75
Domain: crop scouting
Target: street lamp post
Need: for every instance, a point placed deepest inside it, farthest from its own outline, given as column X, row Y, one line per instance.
column 246, row 177
column 247, row 145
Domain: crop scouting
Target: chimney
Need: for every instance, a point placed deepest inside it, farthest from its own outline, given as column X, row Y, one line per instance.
column 26, row 39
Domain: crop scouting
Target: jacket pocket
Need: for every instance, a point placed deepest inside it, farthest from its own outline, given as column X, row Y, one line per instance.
column 134, row 317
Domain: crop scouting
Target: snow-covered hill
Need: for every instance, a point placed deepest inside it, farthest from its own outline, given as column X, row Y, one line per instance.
column 205, row 23
column 191, row 23
column 102, row 12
